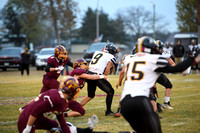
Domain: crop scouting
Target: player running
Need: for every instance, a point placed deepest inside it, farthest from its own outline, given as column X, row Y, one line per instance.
column 101, row 63
column 55, row 65
column 80, row 72
column 141, row 72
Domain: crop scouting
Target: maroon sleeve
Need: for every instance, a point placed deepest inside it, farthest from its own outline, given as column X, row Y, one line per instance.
column 40, row 108
column 77, row 72
column 75, row 106
column 63, row 124
column 49, row 60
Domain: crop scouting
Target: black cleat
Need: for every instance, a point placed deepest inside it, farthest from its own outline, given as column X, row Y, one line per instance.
column 109, row 113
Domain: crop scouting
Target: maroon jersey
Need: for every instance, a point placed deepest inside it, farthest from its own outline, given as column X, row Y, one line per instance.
column 79, row 71
column 55, row 63
column 51, row 101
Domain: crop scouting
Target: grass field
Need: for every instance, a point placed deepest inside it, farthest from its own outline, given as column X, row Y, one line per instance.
column 17, row 90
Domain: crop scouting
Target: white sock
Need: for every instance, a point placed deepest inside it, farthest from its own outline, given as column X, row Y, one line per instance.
column 167, row 99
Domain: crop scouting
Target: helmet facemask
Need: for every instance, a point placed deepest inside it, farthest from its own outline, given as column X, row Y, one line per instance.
column 62, row 56
column 81, row 63
column 84, row 65
column 61, row 53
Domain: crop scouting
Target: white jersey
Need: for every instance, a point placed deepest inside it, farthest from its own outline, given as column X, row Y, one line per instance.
column 167, row 51
column 140, row 75
column 99, row 62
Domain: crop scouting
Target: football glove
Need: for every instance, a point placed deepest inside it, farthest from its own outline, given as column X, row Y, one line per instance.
column 60, row 68
column 27, row 129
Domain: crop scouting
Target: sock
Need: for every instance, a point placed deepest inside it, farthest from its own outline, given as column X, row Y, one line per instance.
column 167, row 99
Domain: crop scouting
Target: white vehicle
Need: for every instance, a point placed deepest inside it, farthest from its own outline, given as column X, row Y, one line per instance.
column 43, row 55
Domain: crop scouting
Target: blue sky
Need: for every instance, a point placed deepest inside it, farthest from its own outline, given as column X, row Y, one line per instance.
column 165, row 8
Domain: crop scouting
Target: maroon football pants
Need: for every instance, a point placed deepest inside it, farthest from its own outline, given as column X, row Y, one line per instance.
column 41, row 123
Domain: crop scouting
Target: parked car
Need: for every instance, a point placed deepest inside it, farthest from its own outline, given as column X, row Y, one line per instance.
column 93, row 47
column 10, row 57
column 43, row 55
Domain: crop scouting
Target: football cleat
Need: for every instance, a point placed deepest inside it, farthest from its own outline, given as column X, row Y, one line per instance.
column 118, row 113
column 167, row 105
column 160, row 108
column 109, row 113
column 92, row 121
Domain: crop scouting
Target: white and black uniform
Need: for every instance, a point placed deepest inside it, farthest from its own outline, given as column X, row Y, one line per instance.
column 162, row 79
column 167, row 51
column 99, row 62
column 98, row 65
column 142, row 71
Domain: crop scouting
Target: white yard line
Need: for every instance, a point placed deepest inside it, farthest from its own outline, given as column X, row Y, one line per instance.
column 178, row 124
column 7, row 122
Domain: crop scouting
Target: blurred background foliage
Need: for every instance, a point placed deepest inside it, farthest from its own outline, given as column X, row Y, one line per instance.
column 51, row 22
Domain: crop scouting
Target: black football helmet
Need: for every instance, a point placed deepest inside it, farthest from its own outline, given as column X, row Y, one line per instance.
column 111, row 48
column 147, row 44
column 134, row 50
column 160, row 45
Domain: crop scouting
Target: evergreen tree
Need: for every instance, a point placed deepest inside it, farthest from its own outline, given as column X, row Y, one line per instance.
column 187, row 15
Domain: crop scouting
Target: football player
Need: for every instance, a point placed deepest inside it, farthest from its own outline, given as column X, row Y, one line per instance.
column 55, row 65
column 141, row 72
column 80, row 72
column 52, row 101
column 162, row 79
column 101, row 63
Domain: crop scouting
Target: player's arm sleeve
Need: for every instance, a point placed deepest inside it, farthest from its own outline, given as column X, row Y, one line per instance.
column 40, row 108
column 177, row 68
column 63, row 125
column 70, row 64
column 113, row 60
column 75, row 106
column 47, row 68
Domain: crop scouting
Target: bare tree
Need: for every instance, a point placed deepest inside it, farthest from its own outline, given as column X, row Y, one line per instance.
column 63, row 14
column 137, row 21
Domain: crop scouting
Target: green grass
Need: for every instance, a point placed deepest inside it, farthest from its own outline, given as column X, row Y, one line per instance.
column 17, row 90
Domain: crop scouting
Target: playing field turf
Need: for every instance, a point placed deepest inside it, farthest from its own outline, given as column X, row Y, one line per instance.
column 17, row 90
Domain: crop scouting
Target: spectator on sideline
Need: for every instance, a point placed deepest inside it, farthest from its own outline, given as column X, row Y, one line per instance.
column 178, row 52
column 25, row 61
column 193, row 49
column 118, row 60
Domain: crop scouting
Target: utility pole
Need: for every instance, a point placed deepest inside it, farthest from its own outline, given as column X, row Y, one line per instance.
column 198, row 20
column 97, row 21
column 154, row 16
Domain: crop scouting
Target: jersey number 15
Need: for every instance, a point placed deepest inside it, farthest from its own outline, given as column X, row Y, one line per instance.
column 134, row 71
